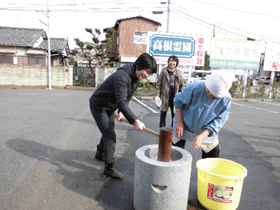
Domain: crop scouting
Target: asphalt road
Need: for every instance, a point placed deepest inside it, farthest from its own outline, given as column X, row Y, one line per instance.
column 48, row 141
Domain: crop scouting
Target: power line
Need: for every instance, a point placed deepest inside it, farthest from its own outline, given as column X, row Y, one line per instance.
column 118, row 6
column 105, row 3
column 207, row 22
column 101, row 7
column 208, row 27
column 98, row 10
column 189, row 19
column 220, row 28
column 236, row 10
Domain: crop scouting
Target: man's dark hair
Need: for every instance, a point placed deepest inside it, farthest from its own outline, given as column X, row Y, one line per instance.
column 174, row 58
column 146, row 61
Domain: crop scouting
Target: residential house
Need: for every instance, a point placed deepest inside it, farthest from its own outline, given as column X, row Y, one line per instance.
column 30, row 46
column 24, row 58
column 130, row 39
column 59, row 51
column 20, row 46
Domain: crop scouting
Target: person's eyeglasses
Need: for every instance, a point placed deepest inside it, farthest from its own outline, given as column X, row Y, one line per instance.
column 145, row 75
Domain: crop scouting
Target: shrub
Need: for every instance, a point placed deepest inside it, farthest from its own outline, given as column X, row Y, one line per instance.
column 275, row 89
column 147, row 87
column 234, row 89
column 260, row 90
column 248, row 89
column 85, row 81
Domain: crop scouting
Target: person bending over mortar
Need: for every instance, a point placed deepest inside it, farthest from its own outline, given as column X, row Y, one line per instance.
column 201, row 110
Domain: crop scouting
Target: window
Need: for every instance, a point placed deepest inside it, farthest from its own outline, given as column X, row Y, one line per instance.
column 6, row 59
column 22, row 60
column 36, row 61
column 140, row 37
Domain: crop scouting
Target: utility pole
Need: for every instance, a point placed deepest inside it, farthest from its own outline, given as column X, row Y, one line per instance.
column 168, row 11
column 214, row 30
column 49, row 48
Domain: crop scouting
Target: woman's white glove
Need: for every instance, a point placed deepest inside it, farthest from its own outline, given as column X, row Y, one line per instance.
column 158, row 102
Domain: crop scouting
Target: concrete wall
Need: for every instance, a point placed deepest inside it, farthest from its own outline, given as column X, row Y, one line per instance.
column 102, row 74
column 37, row 75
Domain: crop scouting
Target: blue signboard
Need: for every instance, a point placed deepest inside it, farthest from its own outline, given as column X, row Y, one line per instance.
column 165, row 45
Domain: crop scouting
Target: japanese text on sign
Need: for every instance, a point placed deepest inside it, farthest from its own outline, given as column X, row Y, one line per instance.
column 235, row 54
column 190, row 50
column 166, row 45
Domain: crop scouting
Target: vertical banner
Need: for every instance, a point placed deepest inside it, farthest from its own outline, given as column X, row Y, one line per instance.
column 272, row 57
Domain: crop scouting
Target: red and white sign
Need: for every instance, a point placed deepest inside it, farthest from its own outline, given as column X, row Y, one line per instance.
column 272, row 57
column 219, row 193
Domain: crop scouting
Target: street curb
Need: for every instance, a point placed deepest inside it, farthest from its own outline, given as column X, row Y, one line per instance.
column 264, row 100
column 82, row 88
column 233, row 99
column 145, row 97
column 254, row 99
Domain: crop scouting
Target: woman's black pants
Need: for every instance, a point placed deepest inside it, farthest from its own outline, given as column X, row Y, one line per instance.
column 163, row 117
column 214, row 153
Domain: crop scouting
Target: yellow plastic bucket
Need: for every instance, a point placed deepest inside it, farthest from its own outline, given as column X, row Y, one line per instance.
column 219, row 183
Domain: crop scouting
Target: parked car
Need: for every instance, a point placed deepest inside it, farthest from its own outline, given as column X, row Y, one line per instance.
column 257, row 77
column 277, row 78
column 264, row 79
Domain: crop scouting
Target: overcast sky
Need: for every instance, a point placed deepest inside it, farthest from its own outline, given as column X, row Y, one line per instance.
column 236, row 19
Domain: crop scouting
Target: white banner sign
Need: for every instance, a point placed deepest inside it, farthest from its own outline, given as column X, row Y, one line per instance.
column 235, row 54
column 272, row 57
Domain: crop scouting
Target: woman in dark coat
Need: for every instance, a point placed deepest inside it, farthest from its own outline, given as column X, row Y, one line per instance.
column 115, row 93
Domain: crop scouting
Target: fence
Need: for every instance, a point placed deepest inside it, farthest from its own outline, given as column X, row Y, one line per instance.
column 101, row 74
column 35, row 75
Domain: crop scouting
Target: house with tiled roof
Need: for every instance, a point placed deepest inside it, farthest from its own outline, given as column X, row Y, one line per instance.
column 30, row 46
column 19, row 46
column 24, row 58
column 130, row 39
column 59, row 51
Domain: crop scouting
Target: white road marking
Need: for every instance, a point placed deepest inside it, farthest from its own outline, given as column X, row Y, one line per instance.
column 255, row 108
column 154, row 111
column 36, row 94
column 265, row 102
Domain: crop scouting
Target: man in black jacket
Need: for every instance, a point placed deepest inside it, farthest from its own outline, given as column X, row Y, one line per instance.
column 115, row 93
